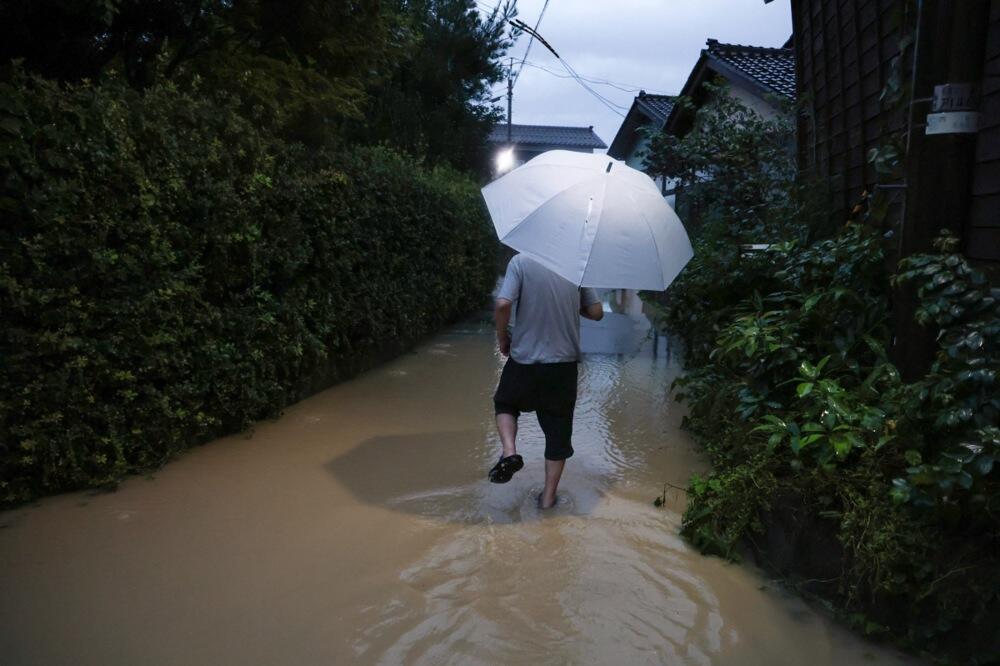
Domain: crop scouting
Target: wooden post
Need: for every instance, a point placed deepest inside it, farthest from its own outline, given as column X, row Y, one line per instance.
column 950, row 48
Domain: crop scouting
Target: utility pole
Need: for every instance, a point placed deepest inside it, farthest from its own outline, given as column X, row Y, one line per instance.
column 510, row 72
column 510, row 96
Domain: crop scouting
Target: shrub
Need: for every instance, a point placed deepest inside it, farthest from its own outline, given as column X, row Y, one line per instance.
column 169, row 273
column 798, row 401
column 879, row 495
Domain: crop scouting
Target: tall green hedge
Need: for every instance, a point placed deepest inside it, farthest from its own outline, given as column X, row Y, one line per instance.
column 169, row 274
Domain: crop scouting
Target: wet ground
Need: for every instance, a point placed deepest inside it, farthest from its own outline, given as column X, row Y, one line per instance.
column 360, row 528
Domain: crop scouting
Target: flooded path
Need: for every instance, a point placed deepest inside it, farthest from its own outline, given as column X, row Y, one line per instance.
column 360, row 528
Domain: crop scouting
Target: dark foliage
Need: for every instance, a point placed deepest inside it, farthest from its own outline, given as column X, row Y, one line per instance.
column 170, row 273
column 414, row 75
column 807, row 421
column 436, row 103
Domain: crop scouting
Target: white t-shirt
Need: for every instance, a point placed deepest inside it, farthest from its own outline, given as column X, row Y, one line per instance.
column 547, row 307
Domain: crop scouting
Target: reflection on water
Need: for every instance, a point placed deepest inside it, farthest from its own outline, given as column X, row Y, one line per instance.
column 360, row 528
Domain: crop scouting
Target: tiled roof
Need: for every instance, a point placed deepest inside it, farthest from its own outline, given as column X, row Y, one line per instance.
column 656, row 106
column 773, row 69
column 547, row 135
column 646, row 111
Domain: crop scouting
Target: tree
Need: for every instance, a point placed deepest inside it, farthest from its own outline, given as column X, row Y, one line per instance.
column 412, row 73
column 436, row 103
column 69, row 41
column 737, row 186
column 300, row 65
column 734, row 166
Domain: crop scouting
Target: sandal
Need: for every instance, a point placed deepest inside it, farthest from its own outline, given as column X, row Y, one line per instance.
column 505, row 468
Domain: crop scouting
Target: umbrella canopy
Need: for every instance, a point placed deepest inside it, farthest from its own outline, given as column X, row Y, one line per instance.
column 591, row 219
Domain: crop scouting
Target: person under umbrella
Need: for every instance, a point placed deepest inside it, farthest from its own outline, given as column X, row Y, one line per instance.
column 540, row 374
column 580, row 221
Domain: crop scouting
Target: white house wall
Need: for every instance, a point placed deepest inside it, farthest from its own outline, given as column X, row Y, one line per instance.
column 752, row 101
column 636, row 158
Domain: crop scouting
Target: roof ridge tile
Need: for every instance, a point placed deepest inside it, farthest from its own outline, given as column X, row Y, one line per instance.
column 750, row 48
column 564, row 135
column 770, row 67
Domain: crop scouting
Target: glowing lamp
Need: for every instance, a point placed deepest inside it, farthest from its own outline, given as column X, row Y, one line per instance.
column 505, row 160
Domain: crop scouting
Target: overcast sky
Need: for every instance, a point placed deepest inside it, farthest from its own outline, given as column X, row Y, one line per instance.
column 648, row 44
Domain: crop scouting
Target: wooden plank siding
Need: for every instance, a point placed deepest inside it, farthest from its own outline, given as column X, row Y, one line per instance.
column 844, row 51
column 982, row 239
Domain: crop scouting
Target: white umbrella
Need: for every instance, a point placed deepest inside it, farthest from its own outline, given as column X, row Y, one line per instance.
column 590, row 218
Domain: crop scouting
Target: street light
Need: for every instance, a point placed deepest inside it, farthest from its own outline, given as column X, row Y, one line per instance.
column 505, row 160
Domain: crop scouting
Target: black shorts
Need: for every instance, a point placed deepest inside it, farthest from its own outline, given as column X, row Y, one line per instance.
column 549, row 389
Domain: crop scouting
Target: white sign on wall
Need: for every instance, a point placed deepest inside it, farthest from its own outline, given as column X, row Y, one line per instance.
column 953, row 122
column 954, row 109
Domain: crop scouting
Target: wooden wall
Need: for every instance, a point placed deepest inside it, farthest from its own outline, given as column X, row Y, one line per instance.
column 983, row 233
column 844, row 51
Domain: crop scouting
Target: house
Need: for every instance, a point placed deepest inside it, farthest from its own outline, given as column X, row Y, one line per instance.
column 761, row 78
column 646, row 111
column 922, row 88
column 527, row 141
column 630, row 143
column 849, row 52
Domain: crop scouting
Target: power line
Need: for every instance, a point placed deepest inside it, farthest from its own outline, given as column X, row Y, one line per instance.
column 605, row 101
column 576, row 76
column 531, row 40
column 485, row 7
column 632, row 88
column 533, row 33
column 618, row 85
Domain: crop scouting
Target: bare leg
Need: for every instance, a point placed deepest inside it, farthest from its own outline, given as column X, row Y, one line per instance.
column 553, row 472
column 507, row 427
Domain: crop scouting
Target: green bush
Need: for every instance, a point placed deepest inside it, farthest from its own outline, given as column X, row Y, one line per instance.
column 170, row 274
column 734, row 176
column 878, row 495
column 799, row 400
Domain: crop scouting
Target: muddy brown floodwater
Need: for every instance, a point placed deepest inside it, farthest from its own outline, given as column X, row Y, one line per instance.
column 359, row 528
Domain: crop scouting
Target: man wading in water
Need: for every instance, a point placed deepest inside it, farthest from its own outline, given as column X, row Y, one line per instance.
column 540, row 373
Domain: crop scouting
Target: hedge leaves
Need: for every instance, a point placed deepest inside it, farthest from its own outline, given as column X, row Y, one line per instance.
column 169, row 274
